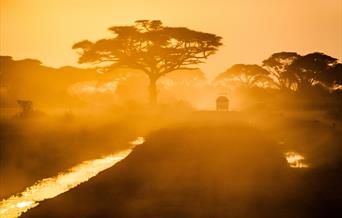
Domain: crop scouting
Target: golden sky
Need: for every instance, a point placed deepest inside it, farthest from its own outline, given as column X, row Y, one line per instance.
column 251, row 29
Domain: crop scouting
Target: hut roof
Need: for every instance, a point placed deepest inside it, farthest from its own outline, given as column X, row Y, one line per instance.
column 222, row 99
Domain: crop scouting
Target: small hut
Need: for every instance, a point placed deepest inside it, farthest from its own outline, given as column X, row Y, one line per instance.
column 222, row 103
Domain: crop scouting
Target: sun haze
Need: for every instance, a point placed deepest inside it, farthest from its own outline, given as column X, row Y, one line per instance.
column 251, row 30
column 180, row 108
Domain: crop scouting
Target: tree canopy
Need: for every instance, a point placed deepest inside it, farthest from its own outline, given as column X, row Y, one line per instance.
column 314, row 68
column 150, row 47
column 246, row 74
column 277, row 64
column 288, row 70
column 334, row 75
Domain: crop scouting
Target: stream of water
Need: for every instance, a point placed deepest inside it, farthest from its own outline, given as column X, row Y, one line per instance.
column 51, row 187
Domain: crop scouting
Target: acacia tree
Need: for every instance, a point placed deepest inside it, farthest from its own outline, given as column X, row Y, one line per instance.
column 150, row 47
column 314, row 68
column 334, row 76
column 246, row 74
column 277, row 64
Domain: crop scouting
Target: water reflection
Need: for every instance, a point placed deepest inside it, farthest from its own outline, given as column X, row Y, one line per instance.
column 48, row 188
column 295, row 160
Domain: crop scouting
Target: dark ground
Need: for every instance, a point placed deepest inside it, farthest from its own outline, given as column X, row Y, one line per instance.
column 209, row 171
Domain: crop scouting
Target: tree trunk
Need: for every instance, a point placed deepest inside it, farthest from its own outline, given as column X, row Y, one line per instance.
column 153, row 90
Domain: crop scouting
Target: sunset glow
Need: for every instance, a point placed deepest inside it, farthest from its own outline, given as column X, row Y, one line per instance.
column 52, row 187
column 259, row 29
column 240, row 102
column 295, row 160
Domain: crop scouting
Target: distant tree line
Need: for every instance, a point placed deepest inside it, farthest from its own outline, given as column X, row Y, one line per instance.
column 156, row 50
column 287, row 71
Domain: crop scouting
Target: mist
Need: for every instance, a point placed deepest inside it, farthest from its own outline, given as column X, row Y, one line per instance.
column 258, row 140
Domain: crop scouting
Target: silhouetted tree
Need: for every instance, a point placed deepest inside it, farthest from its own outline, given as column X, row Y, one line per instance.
column 278, row 65
column 25, row 79
column 150, row 47
column 312, row 69
column 246, row 74
column 333, row 77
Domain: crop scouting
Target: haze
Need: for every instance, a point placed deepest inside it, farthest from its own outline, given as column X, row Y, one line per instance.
column 251, row 30
column 170, row 109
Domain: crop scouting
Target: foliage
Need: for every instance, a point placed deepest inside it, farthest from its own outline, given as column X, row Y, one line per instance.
column 288, row 71
column 277, row 64
column 150, row 47
column 246, row 74
column 313, row 69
